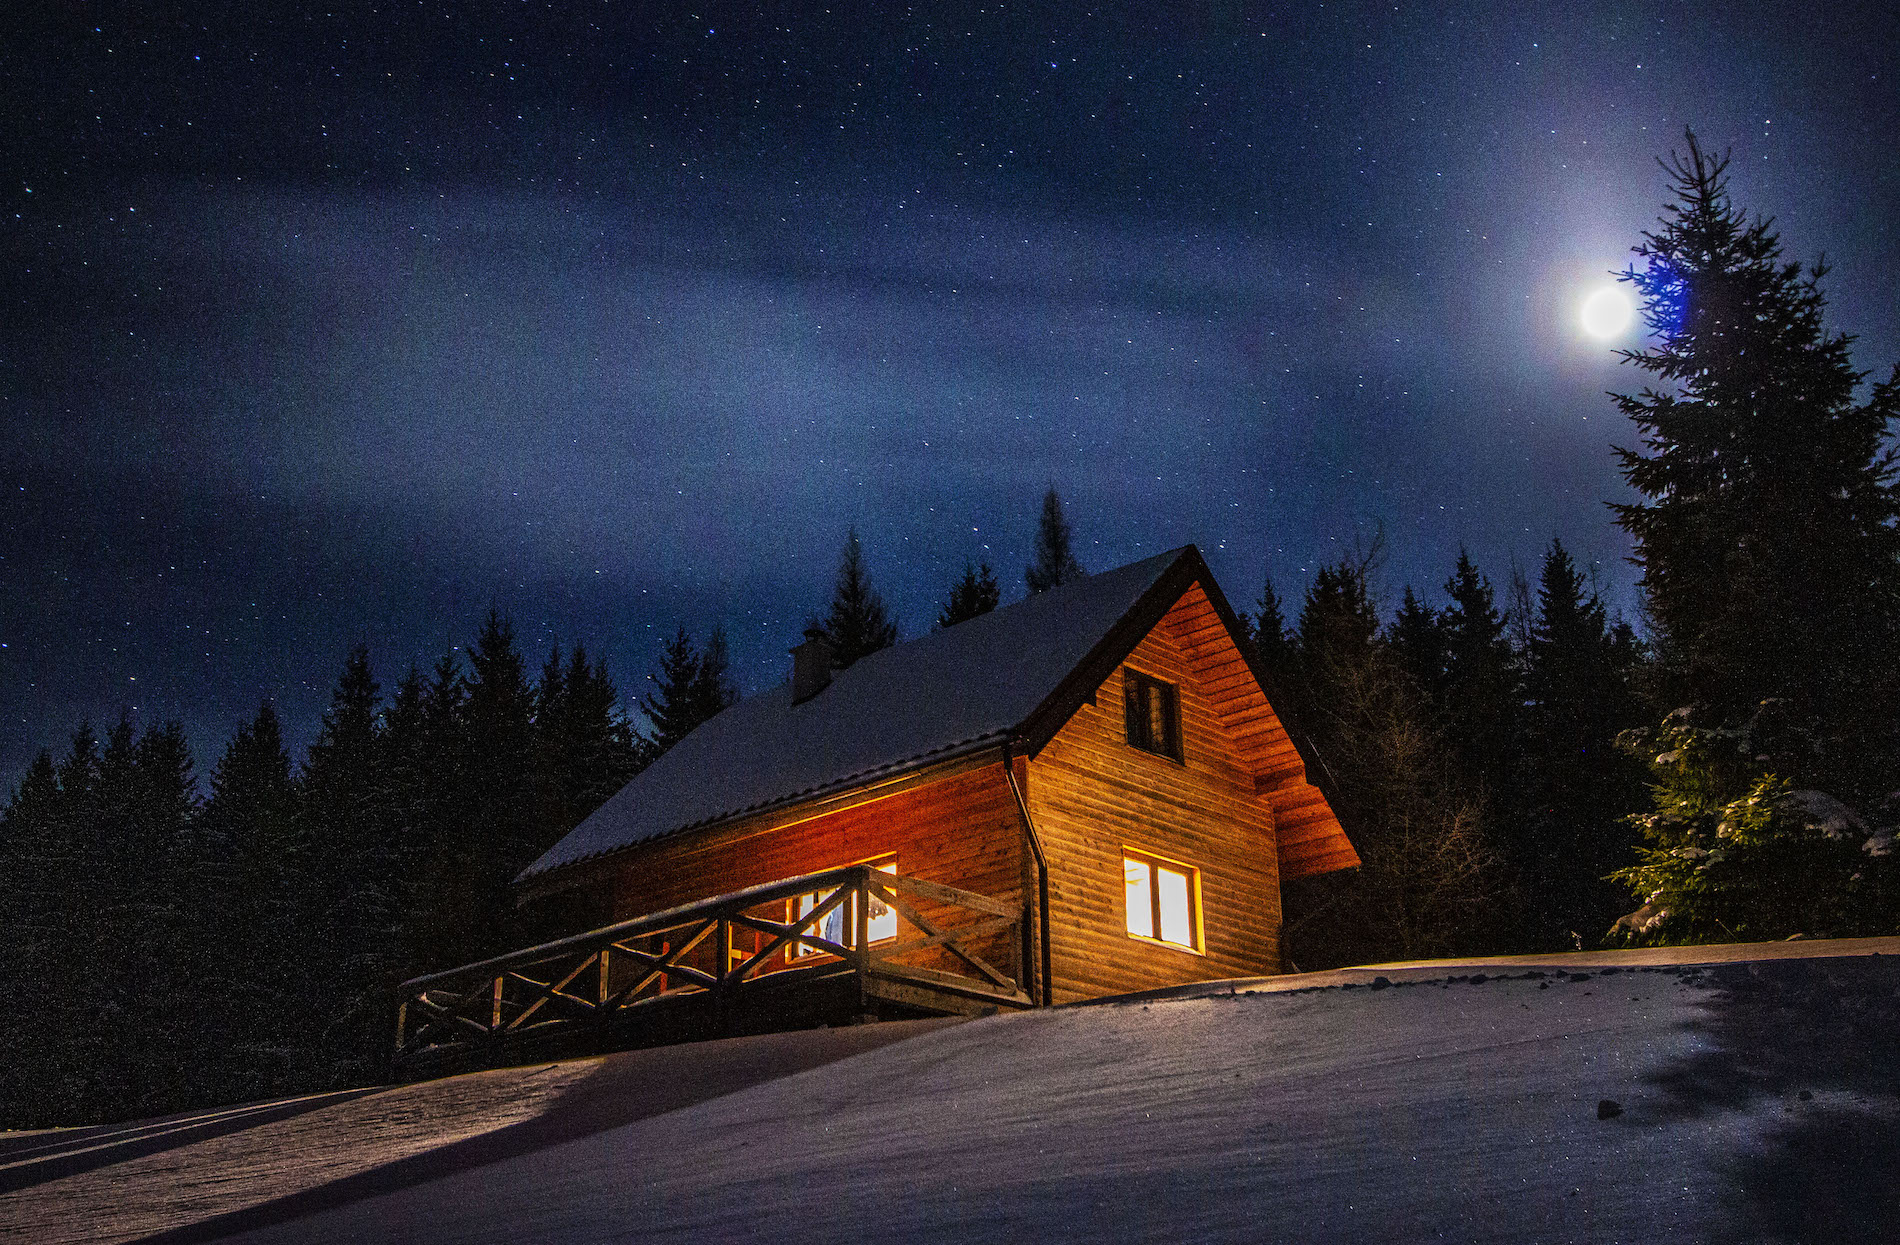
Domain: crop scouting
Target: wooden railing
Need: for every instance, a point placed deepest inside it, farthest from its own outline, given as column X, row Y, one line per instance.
column 729, row 953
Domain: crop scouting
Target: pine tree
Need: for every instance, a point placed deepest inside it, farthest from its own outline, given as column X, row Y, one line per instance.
column 673, row 706
column 1429, row 877
column 712, row 690
column 1577, row 786
column 858, row 624
column 1272, row 644
column 1418, row 642
column 1767, row 540
column 1055, row 562
column 499, row 807
column 973, row 595
column 602, row 751
column 348, row 823
column 35, row 1028
column 1479, row 699
column 1771, row 565
column 415, row 843
column 155, row 926
column 251, row 918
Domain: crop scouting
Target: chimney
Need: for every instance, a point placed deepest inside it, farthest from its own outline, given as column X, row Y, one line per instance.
column 811, row 666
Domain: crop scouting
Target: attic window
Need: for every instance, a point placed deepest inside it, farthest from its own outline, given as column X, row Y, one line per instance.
column 1163, row 900
column 1154, row 714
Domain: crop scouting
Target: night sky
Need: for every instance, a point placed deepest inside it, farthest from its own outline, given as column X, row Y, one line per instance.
column 345, row 326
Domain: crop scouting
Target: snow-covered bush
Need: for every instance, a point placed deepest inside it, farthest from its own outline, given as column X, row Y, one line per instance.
column 1734, row 851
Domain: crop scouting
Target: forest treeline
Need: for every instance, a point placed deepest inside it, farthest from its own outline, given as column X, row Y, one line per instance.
column 170, row 946
column 1519, row 770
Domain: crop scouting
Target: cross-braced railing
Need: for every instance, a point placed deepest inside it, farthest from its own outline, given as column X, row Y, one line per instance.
column 901, row 939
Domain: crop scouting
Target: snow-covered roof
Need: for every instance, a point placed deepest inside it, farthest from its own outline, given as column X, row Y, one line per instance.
column 966, row 687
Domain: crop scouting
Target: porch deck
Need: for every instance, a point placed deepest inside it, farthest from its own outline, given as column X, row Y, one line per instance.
column 824, row 948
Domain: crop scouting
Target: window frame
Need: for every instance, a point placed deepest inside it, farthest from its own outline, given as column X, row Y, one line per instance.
column 1139, row 686
column 1197, row 927
column 799, row 952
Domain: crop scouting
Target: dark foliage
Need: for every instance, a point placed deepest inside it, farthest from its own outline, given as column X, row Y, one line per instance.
column 160, row 955
column 1767, row 537
column 1575, row 786
column 690, row 687
column 972, row 596
column 1430, row 877
column 1771, row 560
column 1055, row 562
column 858, row 624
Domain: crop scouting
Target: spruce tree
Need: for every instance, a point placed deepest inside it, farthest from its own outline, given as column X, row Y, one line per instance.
column 1577, row 786
column 34, row 953
column 1272, row 643
column 1479, row 699
column 673, row 706
column 1767, row 538
column 251, row 918
column 858, row 624
column 712, row 691
column 1771, row 564
column 349, row 825
column 1417, row 637
column 499, row 803
column 1429, row 878
column 1055, row 562
column 973, row 595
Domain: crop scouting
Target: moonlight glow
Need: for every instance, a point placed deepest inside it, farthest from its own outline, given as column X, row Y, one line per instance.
column 1606, row 313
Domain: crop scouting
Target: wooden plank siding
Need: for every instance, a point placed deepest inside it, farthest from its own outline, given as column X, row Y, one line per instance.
column 962, row 829
column 1308, row 835
column 1091, row 794
column 1237, row 807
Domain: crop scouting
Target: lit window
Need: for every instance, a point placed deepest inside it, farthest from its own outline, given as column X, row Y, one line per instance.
column 1154, row 714
column 838, row 924
column 1162, row 899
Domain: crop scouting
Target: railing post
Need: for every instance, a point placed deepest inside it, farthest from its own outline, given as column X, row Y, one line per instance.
column 861, row 916
column 402, row 1024
column 722, row 983
column 600, row 994
column 494, row 1022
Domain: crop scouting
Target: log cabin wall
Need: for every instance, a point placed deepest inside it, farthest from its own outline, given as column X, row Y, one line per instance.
column 962, row 829
column 1092, row 794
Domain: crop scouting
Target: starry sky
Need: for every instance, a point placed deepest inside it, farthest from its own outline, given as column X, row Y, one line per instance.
column 345, row 325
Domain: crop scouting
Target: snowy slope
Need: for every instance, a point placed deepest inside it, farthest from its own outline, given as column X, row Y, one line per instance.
column 1758, row 1101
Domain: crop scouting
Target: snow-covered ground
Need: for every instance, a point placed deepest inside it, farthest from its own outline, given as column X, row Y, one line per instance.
column 1757, row 1099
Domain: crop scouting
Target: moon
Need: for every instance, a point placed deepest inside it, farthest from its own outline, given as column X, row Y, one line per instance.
column 1606, row 313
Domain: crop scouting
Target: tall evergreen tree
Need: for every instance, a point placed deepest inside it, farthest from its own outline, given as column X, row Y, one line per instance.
column 499, row 810
column 1479, row 699
column 252, row 910
column 1577, row 786
column 1273, row 643
column 973, row 595
column 1767, row 537
column 712, row 689
column 1769, row 541
column 348, row 823
column 1055, row 562
column 1418, row 642
column 37, row 866
column 1428, row 877
column 674, row 706
column 858, row 624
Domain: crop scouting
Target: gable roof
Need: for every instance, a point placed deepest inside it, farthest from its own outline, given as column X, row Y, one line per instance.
column 1017, row 673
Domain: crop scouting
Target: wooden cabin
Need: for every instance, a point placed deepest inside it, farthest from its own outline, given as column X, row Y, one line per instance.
column 1082, row 794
